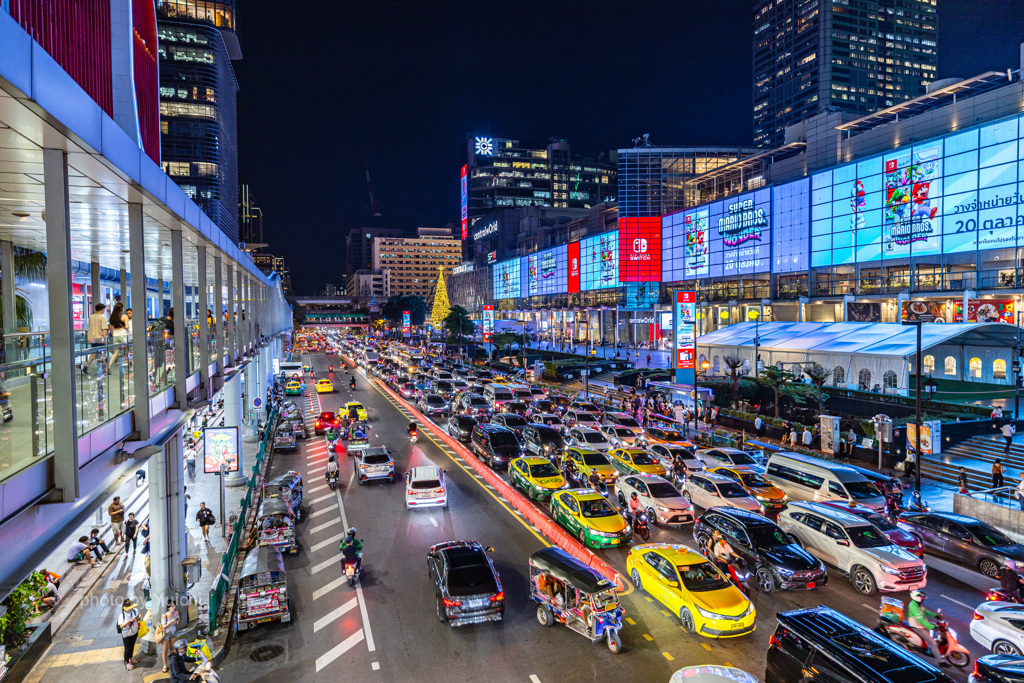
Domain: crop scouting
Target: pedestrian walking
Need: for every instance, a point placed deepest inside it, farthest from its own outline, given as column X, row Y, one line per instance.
column 997, row 474
column 131, row 534
column 1008, row 431
column 97, row 335
column 808, row 437
column 169, row 626
column 190, row 463
column 758, row 425
column 648, row 360
column 116, row 512
column 205, row 518
column 128, row 627
column 961, row 480
column 794, row 439
column 910, row 464
column 1020, row 491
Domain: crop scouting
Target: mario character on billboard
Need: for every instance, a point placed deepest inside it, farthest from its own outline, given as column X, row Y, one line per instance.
column 858, row 204
column 922, row 204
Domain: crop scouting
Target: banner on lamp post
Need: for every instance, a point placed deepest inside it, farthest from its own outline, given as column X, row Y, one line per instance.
column 488, row 331
column 406, row 324
column 685, row 327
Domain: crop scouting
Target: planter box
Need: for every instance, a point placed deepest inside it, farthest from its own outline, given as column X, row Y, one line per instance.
column 26, row 657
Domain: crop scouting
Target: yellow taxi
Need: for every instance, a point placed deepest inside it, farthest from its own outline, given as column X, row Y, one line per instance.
column 324, row 386
column 536, row 476
column 293, row 388
column 580, row 463
column 354, row 410
column 692, row 588
column 770, row 497
column 589, row 516
column 659, row 435
column 635, row 461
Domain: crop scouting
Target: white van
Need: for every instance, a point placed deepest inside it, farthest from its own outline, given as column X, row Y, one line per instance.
column 497, row 394
column 290, row 368
column 805, row 478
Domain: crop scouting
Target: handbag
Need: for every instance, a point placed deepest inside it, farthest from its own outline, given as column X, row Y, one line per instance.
column 143, row 629
column 901, row 466
column 158, row 635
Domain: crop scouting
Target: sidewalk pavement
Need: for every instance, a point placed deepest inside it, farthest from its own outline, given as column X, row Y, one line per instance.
column 87, row 647
column 659, row 358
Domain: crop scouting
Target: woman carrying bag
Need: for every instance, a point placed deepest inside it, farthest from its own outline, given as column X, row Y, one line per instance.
column 130, row 627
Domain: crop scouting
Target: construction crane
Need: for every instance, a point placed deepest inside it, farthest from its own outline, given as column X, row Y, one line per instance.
column 374, row 206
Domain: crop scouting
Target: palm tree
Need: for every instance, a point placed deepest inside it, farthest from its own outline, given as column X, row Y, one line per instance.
column 735, row 365
column 774, row 378
column 818, row 374
column 28, row 265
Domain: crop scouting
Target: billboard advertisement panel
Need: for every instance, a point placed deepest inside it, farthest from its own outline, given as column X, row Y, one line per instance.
column 599, row 261
column 573, row 255
column 640, row 249
column 545, row 272
column 465, row 204
column 685, row 329
column 640, row 296
column 406, row 323
column 220, row 446
column 790, row 240
column 506, row 279
column 488, row 323
column 986, row 311
column 743, row 233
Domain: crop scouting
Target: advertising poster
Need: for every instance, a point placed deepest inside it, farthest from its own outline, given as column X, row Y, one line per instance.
column 599, row 262
column 406, row 323
column 790, row 244
column 685, row 326
column 910, row 214
column 986, row 311
column 830, row 433
column 530, row 277
column 698, row 243
column 641, row 296
column 573, row 253
column 544, row 272
column 506, row 279
column 923, row 311
column 639, row 249
column 488, row 323
column 745, row 230
column 220, row 445
column 465, row 204
column 931, row 437
column 863, row 312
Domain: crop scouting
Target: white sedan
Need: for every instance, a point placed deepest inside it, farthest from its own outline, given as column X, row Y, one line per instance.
column 425, row 487
column 710, row 490
column 997, row 626
column 662, row 501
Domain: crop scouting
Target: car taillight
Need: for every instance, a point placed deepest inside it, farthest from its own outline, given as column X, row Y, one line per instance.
column 773, row 641
column 451, row 603
column 438, row 491
column 978, row 617
column 498, row 597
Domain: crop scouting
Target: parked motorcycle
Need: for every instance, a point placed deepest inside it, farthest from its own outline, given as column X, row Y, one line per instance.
column 892, row 626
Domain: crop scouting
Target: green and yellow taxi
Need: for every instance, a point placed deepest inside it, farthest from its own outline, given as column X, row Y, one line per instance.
column 324, row 386
column 536, row 476
column 770, row 496
column 293, row 387
column 580, row 463
column 588, row 516
column 354, row 410
column 635, row 461
column 692, row 588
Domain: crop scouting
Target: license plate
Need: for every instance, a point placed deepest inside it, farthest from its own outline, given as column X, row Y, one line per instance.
column 475, row 604
column 811, row 584
column 265, row 619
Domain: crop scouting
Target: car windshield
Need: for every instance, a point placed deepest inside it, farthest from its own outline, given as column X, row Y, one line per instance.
column 702, row 577
column 741, row 459
column 593, row 437
column 662, row 490
column 669, row 435
column 628, row 422
column 598, row 507
column 594, row 459
column 499, row 439
column 435, row 400
column 622, row 431
column 515, row 421
column 426, row 484
column 585, row 417
column 643, row 458
column 552, row 420
column 861, row 490
column 375, row 458
column 755, row 481
column 444, row 386
column 730, row 489
column 881, row 521
column 989, row 536
column 867, row 537
column 545, row 469
column 767, row 536
column 477, row 401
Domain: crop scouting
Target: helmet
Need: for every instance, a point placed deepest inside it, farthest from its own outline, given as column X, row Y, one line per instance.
column 352, row 532
column 917, row 595
column 633, row 495
column 180, row 644
column 1009, row 563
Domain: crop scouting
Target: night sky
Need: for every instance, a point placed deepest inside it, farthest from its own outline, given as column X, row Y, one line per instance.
column 325, row 84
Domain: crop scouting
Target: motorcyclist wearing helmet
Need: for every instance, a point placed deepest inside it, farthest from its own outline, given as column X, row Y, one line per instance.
column 921, row 619
column 594, row 480
column 721, row 552
column 1010, row 582
column 411, row 429
column 177, row 661
column 352, row 548
column 332, row 466
column 634, row 509
column 352, row 381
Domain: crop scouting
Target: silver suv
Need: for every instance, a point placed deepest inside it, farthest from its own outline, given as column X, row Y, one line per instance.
column 374, row 463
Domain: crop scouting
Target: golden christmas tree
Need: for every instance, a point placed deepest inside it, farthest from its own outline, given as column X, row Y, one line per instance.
column 441, row 307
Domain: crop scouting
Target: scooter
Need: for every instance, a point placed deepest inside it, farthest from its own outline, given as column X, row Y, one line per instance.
column 204, row 671
column 330, row 369
column 740, row 574
column 892, row 626
column 414, row 436
column 351, row 569
column 352, row 384
column 332, row 480
column 641, row 527
column 997, row 594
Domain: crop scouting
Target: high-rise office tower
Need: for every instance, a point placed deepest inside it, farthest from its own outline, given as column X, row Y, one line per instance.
column 858, row 56
column 198, row 121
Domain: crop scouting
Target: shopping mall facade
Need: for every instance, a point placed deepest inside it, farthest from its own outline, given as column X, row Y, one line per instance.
column 922, row 202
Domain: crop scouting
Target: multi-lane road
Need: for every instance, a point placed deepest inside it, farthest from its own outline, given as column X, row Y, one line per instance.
column 386, row 629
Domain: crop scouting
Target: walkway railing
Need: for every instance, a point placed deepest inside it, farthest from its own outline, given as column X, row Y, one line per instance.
column 253, row 491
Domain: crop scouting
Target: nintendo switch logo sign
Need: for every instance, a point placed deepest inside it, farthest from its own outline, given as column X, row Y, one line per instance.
column 891, row 165
column 575, row 266
column 640, row 246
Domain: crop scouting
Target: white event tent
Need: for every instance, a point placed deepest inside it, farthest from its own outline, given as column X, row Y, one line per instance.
column 862, row 355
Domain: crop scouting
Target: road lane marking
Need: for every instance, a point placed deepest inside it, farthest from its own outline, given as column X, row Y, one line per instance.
column 864, row 604
column 433, row 521
column 323, row 544
column 321, row 499
column 339, row 649
column 316, row 569
column 318, row 488
column 322, row 510
column 962, row 604
column 333, row 615
column 706, row 646
column 663, row 654
column 325, row 525
column 316, row 469
column 375, row 665
column 330, row 587
column 630, row 621
column 647, row 637
column 534, row 679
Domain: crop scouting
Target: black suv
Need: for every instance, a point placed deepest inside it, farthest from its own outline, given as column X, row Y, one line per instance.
column 461, row 427
column 820, row 644
column 466, row 585
column 998, row 669
column 495, row 445
column 543, row 441
column 770, row 553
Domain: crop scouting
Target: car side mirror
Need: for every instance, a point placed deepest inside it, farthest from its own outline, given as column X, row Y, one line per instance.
column 671, row 584
column 489, row 549
column 842, row 541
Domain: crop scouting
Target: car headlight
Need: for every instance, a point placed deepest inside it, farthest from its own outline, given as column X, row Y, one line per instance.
column 889, row 570
column 1020, row 565
column 706, row 614
column 606, row 534
column 663, row 509
column 782, row 571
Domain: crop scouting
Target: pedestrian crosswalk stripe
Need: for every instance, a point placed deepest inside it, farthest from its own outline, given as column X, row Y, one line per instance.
column 321, row 487
column 330, row 587
column 325, row 525
column 316, row 569
column 323, row 544
column 317, row 469
column 339, row 649
column 334, row 614
column 322, row 498
column 321, row 511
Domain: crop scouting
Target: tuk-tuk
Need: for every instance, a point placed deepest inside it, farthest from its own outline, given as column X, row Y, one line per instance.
column 571, row 593
column 262, row 589
column 275, row 525
column 355, row 441
column 291, row 483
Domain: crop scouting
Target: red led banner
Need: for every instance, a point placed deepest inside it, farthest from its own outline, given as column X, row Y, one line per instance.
column 640, row 249
column 574, row 267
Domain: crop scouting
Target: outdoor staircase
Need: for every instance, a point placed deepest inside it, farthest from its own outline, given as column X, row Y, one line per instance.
column 976, row 455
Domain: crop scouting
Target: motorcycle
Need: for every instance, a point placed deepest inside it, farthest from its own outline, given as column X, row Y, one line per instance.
column 997, row 594
column 641, row 527
column 330, row 369
column 352, row 384
column 205, row 673
column 332, row 480
column 892, row 626
column 740, row 574
column 413, row 436
column 351, row 569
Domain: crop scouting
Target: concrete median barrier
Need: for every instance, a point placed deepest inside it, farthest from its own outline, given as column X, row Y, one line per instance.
column 545, row 524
